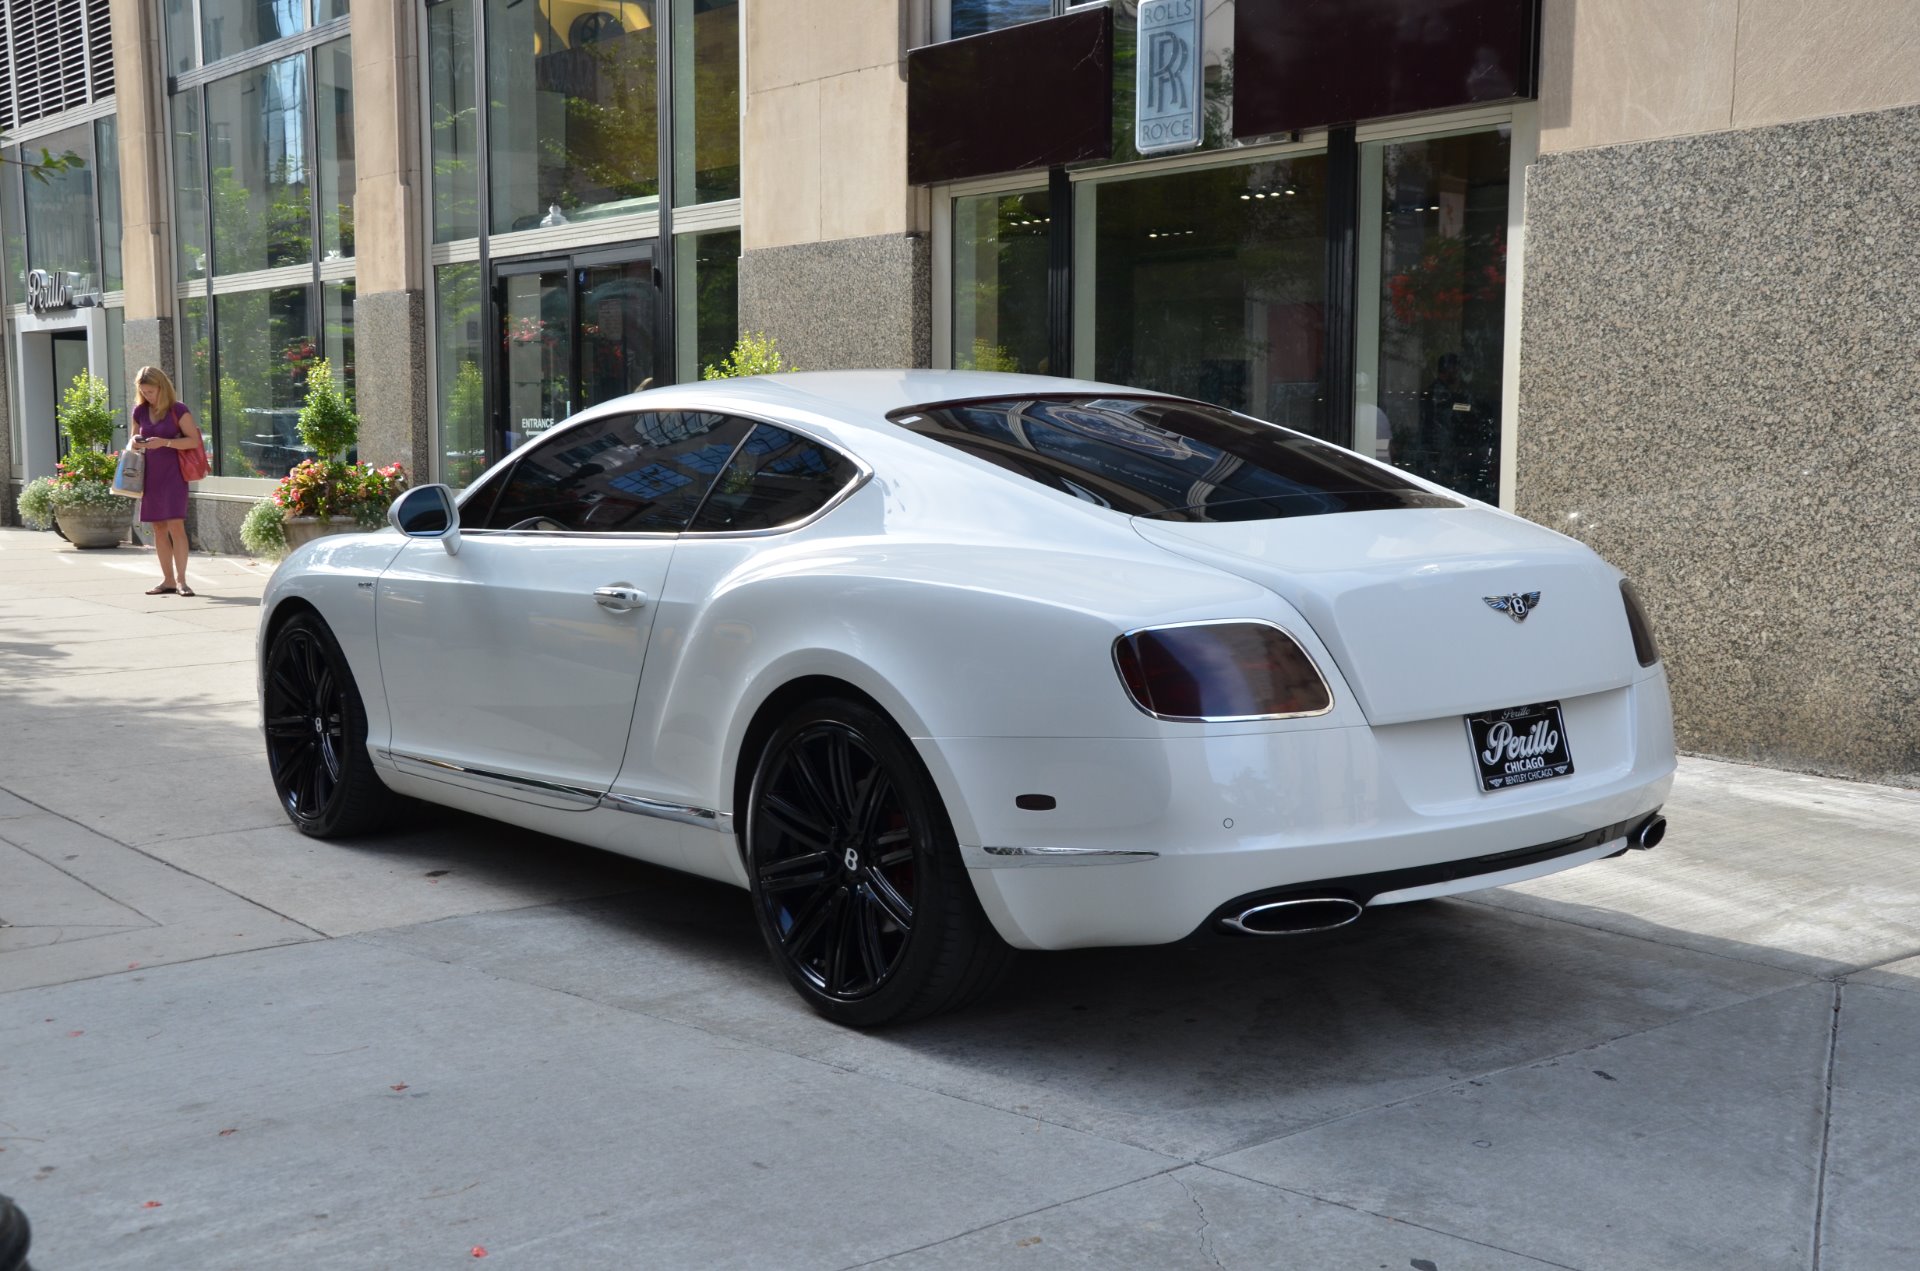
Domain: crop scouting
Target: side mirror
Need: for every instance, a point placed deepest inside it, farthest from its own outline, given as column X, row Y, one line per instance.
column 428, row 511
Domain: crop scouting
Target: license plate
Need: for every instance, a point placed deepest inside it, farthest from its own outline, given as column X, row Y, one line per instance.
column 1519, row 745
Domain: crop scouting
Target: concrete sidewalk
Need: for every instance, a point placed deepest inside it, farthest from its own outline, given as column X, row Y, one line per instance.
column 223, row 1045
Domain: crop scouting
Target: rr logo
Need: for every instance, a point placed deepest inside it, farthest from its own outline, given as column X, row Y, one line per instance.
column 1167, row 55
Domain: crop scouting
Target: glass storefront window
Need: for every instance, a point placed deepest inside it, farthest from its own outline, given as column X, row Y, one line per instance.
column 459, row 381
column 262, row 188
column 328, row 10
column 180, row 53
column 106, row 157
column 572, row 110
column 265, row 343
column 972, row 17
column 61, row 214
column 706, row 144
column 707, row 293
column 1212, row 284
column 196, row 354
column 1443, row 303
column 13, row 234
column 234, row 26
column 189, row 186
column 336, row 330
column 1000, row 281
column 453, row 140
column 333, row 133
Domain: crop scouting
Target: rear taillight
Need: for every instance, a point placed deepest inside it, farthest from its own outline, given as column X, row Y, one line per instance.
column 1220, row 670
column 1643, row 645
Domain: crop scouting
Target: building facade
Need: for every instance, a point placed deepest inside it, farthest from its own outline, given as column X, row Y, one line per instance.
column 1633, row 270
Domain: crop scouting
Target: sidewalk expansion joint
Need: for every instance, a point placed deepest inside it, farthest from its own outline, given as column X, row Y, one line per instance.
column 1826, row 1126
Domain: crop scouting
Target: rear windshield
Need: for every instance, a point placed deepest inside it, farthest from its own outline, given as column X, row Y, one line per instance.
column 1172, row 460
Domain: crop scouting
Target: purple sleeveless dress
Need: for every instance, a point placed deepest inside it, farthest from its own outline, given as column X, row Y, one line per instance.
column 165, row 494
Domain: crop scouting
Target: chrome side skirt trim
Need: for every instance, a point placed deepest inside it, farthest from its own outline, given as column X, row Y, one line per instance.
column 705, row 818
column 505, row 783
column 1066, row 855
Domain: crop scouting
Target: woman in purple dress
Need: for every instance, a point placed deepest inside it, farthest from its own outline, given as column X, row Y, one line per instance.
column 163, row 428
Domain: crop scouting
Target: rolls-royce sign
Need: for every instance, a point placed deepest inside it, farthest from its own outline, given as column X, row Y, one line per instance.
column 1168, row 100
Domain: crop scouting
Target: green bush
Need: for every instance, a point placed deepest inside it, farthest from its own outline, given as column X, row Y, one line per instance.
column 264, row 532
column 36, row 503
column 85, row 414
column 753, row 354
column 328, row 426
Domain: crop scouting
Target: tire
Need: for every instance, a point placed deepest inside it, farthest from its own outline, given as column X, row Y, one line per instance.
column 317, row 735
column 15, row 1236
column 856, row 878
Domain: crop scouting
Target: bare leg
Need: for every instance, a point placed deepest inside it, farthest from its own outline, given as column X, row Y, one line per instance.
column 160, row 549
column 177, row 548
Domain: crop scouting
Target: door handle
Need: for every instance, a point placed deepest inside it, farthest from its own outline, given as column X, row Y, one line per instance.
column 619, row 599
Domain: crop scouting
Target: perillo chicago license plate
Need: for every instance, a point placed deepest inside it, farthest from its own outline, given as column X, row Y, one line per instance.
column 1519, row 745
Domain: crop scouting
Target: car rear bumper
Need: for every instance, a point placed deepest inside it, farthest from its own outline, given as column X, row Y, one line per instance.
column 1148, row 840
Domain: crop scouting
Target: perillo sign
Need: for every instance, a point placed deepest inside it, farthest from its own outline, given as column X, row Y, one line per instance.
column 49, row 289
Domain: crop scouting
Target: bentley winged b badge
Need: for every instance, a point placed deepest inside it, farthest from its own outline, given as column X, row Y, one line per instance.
column 1516, row 606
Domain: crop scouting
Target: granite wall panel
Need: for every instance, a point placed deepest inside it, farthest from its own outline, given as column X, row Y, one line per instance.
column 390, row 379
column 1720, row 391
column 852, row 302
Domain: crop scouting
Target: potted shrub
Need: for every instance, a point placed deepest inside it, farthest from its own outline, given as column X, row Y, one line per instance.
column 753, row 354
column 79, row 498
column 324, row 494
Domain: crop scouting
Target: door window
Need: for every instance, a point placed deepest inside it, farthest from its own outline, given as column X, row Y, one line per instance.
column 629, row 473
column 775, row 479
column 536, row 390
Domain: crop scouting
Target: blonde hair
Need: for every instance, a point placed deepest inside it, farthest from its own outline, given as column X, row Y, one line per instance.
column 164, row 399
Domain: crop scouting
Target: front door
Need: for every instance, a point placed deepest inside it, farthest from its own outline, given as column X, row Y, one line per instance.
column 69, row 359
column 574, row 331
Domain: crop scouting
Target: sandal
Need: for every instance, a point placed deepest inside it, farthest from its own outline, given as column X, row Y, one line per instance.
column 164, row 589
column 185, row 590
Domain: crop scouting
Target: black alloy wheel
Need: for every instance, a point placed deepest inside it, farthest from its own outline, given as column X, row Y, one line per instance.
column 15, row 1237
column 856, row 878
column 317, row 734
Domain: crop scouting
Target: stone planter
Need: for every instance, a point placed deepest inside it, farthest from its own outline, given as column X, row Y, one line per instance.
column 302, row 530
column 90, row 526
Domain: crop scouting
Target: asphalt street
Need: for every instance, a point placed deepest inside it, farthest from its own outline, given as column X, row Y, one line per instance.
column 223, row 1045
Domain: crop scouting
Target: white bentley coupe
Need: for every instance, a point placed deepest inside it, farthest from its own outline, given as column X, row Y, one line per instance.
column 939, row 664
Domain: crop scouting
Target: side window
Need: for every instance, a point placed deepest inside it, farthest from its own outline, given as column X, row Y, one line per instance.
column 775, row 479
column 620, row 473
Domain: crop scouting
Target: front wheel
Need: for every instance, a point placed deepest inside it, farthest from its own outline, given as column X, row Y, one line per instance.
column 856, row 877
column 317, row 735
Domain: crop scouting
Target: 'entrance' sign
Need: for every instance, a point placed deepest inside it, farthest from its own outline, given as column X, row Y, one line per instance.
column 1168, row 100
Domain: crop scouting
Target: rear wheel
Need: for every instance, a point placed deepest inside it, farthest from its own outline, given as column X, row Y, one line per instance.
column 856, row 878
column 317, row 735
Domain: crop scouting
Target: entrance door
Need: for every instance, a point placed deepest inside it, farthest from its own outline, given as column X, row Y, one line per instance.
column 69, row 359
column 573, row 332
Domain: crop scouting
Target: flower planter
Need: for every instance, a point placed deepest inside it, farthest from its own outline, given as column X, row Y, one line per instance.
column 304, row 529
column 90, row 526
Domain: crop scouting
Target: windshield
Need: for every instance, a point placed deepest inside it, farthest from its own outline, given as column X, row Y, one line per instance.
column 1168, row 459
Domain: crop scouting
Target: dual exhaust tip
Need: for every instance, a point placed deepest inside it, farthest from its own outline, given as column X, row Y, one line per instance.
column 1302, row 915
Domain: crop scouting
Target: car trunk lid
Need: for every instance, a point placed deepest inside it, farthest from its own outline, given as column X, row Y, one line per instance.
column 1405, row 600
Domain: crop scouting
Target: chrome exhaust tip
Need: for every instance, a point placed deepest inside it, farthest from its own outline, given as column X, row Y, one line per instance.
column 1648, row 833
column 1293, row 917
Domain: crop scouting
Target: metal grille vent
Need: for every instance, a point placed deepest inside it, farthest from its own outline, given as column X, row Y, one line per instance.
column 54, row 55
